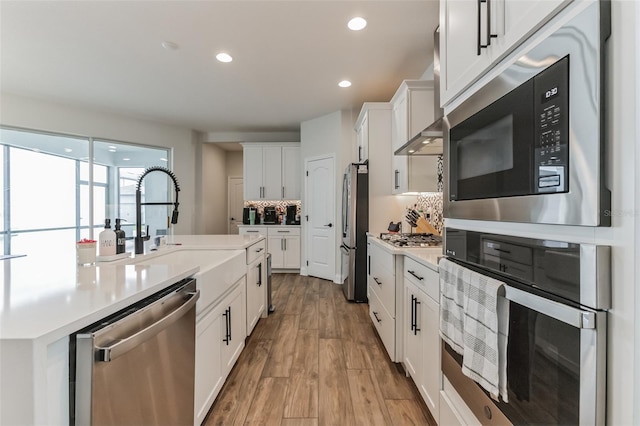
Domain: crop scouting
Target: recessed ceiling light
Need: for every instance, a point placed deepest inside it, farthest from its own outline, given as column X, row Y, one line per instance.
column 112, row 147
column 126, row 159
column 411, row 151
column 68, row 150
column 357, row 23
column 224, row 57
column 163, row 159
column 112, row 150
column 344, row 83
column 169, row 45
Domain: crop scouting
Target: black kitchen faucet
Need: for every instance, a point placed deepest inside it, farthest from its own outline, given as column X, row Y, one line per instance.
column 139, row 239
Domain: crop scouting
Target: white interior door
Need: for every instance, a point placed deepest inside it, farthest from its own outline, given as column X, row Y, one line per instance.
column 235, row 204
column 321, row 218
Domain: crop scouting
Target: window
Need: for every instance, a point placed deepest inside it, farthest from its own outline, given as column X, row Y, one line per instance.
column 54, row 194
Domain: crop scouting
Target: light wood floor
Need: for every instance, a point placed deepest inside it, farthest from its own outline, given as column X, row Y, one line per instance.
column 316, row 360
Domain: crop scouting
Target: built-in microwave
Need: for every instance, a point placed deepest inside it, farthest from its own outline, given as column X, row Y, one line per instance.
column 529, row 145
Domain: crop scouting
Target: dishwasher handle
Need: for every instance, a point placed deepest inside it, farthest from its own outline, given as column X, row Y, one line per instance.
column 109, row 353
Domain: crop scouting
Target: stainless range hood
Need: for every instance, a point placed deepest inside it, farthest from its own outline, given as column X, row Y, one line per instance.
column 429, row 141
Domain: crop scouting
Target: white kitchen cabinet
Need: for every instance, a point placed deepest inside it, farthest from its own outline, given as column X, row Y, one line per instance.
column 512, row 21
column 284, row 246
column 385, row 303
column 220, row 338
column 209, row 377
column 411, row 112
column 362, row 136
column 421, row 325
column 256, row 300
column 271, row 171
column 233, row 328
column 291, row 173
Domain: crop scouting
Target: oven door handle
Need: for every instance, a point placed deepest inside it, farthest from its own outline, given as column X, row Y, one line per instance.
column 578, row 318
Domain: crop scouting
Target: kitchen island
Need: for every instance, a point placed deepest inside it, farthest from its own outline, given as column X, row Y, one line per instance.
column 47, row 298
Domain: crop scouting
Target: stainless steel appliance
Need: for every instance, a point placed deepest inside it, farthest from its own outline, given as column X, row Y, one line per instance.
column 292, row 215
column 137, row 366
column 429, row 140
column 558, row 293
column 270, row 307
column 412, row 240
column 529, row 145
column 270, row 215
column 355, row 224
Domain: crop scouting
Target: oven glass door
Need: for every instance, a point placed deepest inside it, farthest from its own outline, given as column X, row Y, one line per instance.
column 556, row 363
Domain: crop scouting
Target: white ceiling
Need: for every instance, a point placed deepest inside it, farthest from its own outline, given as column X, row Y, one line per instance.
column 288, row 57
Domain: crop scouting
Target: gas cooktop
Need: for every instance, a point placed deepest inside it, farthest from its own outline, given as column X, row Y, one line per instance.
column 412, row 240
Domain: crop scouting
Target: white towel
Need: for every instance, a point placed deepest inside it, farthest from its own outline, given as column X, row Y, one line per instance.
column 482, row 358
column 474, row 321
column 452, row 303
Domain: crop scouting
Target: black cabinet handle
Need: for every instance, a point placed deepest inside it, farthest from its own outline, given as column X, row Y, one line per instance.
column 369, row 266
column 415, row 275
column 375, row 314
column 396, row 176
column 413, row 313
column 377, row 281
column 227, row 324
column 489, row 35
column 259, row 275
column 330, row 225
column 415, row 323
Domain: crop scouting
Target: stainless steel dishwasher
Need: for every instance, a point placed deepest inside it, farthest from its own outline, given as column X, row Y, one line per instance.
column 136, row 367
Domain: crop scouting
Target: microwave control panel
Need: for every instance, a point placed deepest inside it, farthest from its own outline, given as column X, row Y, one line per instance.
column 551, row 88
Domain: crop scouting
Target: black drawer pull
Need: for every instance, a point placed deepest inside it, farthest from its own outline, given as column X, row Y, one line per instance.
column 415, row 275
column 375, row 314
column 377, row 281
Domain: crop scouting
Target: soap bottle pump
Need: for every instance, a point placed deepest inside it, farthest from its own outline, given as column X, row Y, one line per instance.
column 120, row 237
column 107, row 240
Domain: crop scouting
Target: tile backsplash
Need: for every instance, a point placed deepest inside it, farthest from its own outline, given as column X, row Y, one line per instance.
column 431, row 202
column 280, row 205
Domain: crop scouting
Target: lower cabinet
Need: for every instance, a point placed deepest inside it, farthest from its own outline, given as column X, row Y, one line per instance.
column 220, row 338
column 256, row 292
column 283, row 242
column 284, row 246
column 421, row 336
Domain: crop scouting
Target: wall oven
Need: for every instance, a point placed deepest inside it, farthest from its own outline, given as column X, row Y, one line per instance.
column 528, row 146
column 557, row 294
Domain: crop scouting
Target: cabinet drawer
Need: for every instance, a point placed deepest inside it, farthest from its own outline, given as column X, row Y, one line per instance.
column 253, row 230
column 384, row 324
column 423, row 277
column 383, row 283
column 256, row 250
column 283, row 231
column 381, row 258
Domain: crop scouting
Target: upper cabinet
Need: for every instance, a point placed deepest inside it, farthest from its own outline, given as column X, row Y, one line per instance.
column 411, row 112
column 475, row 34
column 271, row 171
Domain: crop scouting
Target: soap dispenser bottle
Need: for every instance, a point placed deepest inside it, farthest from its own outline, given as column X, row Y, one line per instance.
column 120, row 237
column 107, row 240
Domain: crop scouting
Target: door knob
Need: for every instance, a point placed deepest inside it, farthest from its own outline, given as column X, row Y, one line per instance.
column 329, row 225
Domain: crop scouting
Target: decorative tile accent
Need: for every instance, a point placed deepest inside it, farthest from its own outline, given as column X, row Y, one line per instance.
column 431, row 203
column 280, row 205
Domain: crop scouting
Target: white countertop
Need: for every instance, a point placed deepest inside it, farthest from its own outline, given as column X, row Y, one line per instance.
column 428, row 256
column 52, row 296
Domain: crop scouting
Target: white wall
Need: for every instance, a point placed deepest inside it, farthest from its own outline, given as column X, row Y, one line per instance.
column 331, row 134
column 213, row 195
column 234, row 163
column 54, row 117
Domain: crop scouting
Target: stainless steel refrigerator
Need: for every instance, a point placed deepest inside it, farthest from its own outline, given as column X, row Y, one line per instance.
column 355, row 224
